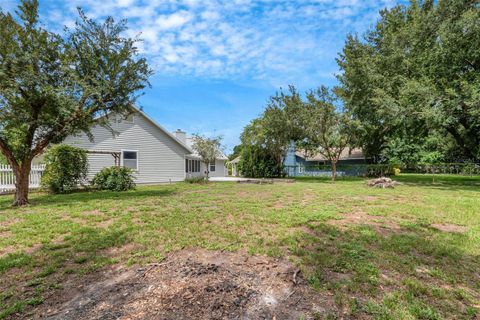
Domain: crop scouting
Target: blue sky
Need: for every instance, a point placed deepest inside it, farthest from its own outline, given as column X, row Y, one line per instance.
column 216, row 62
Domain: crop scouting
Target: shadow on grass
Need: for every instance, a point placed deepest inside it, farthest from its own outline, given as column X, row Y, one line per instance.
column 415, row 272
column 85, row 196
column 446, row 182
column 42, row 271
column 326, row 179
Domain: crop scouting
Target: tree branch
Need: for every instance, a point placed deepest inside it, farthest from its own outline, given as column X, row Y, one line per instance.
column 8, row 153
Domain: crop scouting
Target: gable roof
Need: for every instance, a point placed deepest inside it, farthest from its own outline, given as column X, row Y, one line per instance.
column 168, row 133
column 194, row 154
column 347, row 154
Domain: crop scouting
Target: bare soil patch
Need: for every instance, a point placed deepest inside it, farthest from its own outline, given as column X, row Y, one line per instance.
column 198, row 284
column 449, row 228
column 359, row 217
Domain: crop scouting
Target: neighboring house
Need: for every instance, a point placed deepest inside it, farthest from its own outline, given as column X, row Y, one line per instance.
column 194, row 167
column 155, row 155
column 350, row 163
column 235, row 169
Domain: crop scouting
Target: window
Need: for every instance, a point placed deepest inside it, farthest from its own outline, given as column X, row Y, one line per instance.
column 130, row 159
column 192, row 165
column 212, row 167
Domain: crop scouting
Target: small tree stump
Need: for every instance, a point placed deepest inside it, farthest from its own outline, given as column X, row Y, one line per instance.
column 382, row 182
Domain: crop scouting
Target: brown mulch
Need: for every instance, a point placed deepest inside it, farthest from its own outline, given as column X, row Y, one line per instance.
column 198, row 284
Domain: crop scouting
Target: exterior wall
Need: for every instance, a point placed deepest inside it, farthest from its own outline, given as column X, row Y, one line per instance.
column 220, row 170
column 160, row 157
column 296, row 166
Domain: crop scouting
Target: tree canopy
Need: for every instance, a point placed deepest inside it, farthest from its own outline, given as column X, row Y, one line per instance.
column 413, row 82
column 314, row 123
column 208, row 149
column 52, row 85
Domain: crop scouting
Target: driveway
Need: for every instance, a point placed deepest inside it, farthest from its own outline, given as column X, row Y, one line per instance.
column 227, row 179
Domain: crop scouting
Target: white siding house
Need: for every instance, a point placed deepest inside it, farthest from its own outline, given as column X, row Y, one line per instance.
column 155, row 155
column 194, row 167
column 152, row 152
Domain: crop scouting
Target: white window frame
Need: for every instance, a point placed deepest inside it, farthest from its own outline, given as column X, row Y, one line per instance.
column 128, row 150
column 210, row 167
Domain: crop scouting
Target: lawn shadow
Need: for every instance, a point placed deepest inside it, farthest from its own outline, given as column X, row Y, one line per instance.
column 443, row 182
column 34, row 274
column 409, row 272
column 85, row 196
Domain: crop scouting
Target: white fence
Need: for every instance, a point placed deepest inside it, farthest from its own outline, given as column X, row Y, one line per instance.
column 7, row 178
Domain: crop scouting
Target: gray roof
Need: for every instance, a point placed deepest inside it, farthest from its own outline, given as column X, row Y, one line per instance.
column 347, row 154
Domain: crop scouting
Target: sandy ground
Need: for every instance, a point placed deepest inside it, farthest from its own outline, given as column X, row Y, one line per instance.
column 197, row 284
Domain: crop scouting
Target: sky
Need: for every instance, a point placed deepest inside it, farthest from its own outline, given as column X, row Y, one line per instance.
column 216, row 62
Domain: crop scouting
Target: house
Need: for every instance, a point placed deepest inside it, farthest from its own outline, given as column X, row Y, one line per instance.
column 235, row 170
column 140, row 143
column 194, row 167
column 352, row 162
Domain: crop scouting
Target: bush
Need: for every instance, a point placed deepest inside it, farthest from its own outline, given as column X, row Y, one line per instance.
column 66, row 169
column 257, row 162
column 196, row 180
column 114, row 179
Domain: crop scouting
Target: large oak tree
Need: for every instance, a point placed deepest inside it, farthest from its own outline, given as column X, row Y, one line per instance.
column 415, row 78
column 52, row 85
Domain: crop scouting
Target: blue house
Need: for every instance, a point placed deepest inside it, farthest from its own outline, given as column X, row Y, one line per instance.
column 352, row 162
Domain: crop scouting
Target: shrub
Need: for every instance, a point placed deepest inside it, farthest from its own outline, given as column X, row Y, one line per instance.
column 196, row 180
column 114, row 179
column 66, row 168
column 257, row 162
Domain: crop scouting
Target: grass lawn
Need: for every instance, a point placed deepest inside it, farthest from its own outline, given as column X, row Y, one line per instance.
column 405, row 253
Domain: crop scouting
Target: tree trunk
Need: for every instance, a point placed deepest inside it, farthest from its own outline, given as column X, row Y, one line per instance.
column 334, row 170
column 22, row 174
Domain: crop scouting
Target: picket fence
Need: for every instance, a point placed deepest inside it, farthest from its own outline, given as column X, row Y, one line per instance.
column 7, row 178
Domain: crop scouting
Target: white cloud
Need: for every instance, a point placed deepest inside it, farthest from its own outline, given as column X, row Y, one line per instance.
column 276, row 40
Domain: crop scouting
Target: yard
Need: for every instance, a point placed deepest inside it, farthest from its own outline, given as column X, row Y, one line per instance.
column 405, row 253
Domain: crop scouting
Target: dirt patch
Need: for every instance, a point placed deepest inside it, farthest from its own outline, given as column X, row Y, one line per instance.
column 454, row 228
column 199, row 284
column 359, row 217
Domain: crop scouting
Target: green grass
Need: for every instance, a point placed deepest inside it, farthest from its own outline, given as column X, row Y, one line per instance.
column 390, row 264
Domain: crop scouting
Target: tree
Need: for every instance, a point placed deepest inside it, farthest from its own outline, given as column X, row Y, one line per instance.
column 52, row 86
column 327, row 130
column 266, row 138
column 209, row 149
column 417, row 75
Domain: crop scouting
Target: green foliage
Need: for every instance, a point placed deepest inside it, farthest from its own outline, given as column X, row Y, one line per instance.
column 257, row 162
column 265, row 140
column 195, row 180
column 414, row 76
column 55, row 85
column 316, row 125
column 237, row 150
column 114, row 179
column 66, row 168
column 327, row 130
